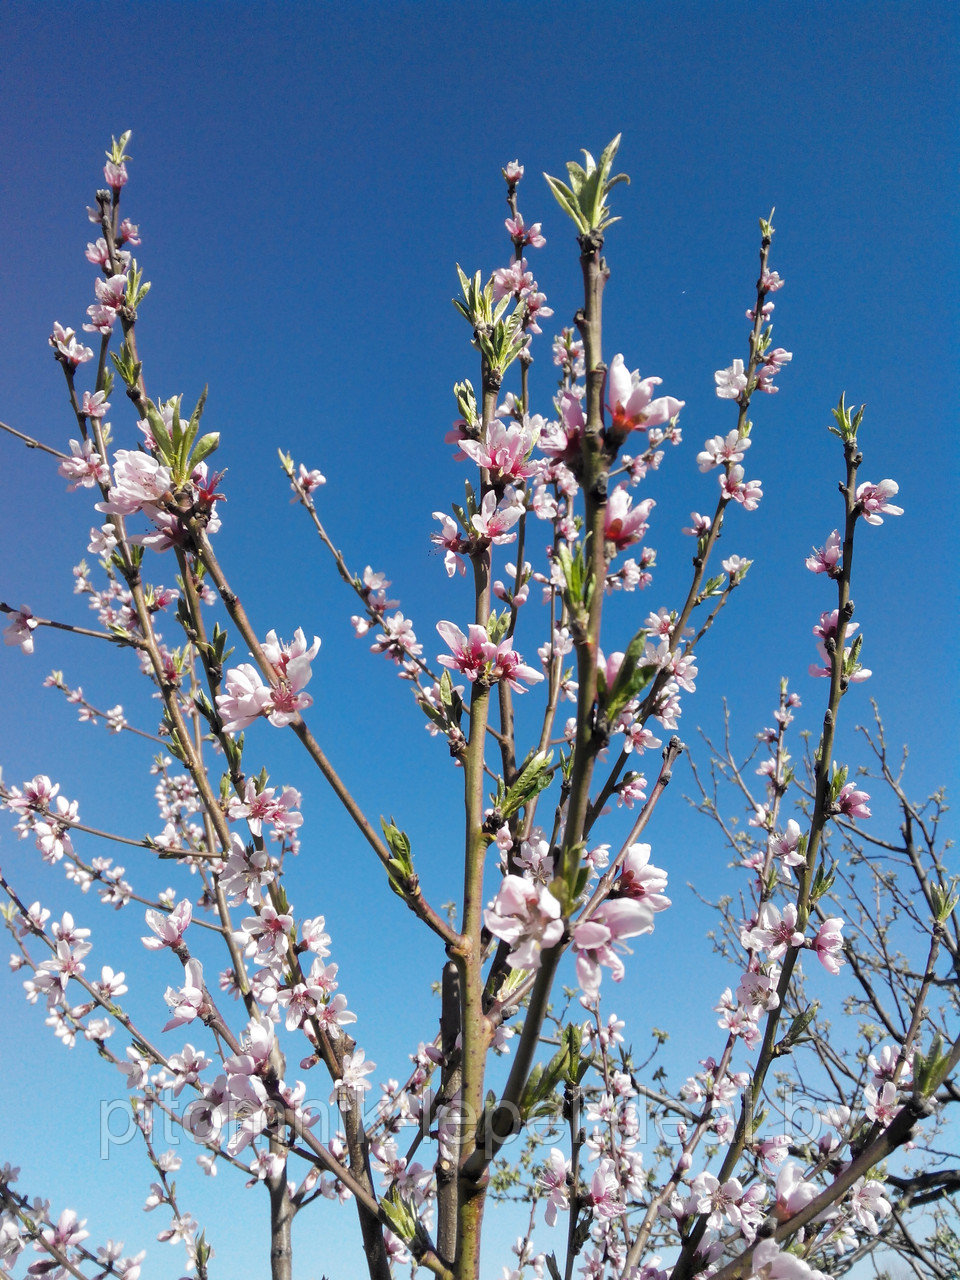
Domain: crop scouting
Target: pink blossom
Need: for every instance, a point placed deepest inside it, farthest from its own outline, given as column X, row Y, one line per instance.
column 94, row 404
column 86, row 467
column 115, row 175
column 141, row 482
column 64, row 342
column 773, row 932
column 68, row 1232
column 699, row 525
column 718, row 1201
column 561, row 440
column 733, row 488
column 186, row 1003
column 735, row 567
column 524, row 235
column 630, row 399
column 352, row 1085
column 505, row 448
column 481, row 660
column 603, row 1196
column 883, row 1068
column 111, row 296
column 793, row 1193
column 21, row 628
column 398, row 639
column 722, row 449
column 765, row 311
column 624, row 523
column 828, row 944
column 641, row 881
column 553, row 1180
column 731, row 381
column 453, row 542
column 773, row 363
column 245, row 698
column 881, row 1104
column 515, row 279
column 495, row 518
column 769, row 1263
column 826, row 558
column 595, row 940
column 869, row 1204
column 786, row 845
column 874, row 501
column 266, row 806
column 527, row 917
column 513, row 172
column 168, row 928
column 308, row 481
column 852, row 803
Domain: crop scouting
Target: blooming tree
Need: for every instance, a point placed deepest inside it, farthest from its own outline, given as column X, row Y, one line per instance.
column 559, row 805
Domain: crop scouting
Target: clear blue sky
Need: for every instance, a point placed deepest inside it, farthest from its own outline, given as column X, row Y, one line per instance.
column 305, row 178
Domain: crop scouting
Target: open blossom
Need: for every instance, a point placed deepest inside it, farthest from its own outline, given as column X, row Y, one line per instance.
column 874, row 500
column 168, row 928
column 21, row 628
column 630, row 399
column 528, row 917
column 553, row 1180
column 595, row 940
column 351, row 1087
column 641, row 881
column 307, row 481
column 266, row 806
column 826, row 558
column 452, row 540
column 140, row 482
column 881, row 1103
column 94, row 404
column 769, row 1263
column 773, row 363
column 505, row 448
column 603, row 1196
column 721, row 449
column 699, row 525
column 64, row 342
column 793, row 1192
column 480, row 659
column 828, row 944
column 244, row 699
column 525, row 235
column 86, row 467
column 186, row 1003
column 624, row 523
column 884, row 1066
column 869, row 1204
column 772, row 932
column 733, row 487
column 246, row 696
column 731, row 381
column 495, row 518
column 111, row 295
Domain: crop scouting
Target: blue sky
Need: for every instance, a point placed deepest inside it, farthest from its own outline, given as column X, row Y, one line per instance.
column 305, row 178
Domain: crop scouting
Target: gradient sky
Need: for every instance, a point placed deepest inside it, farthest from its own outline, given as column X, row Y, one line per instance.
column 305, row 178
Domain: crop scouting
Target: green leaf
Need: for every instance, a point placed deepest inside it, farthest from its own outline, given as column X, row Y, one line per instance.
column 535, row 775
column 205, row 446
